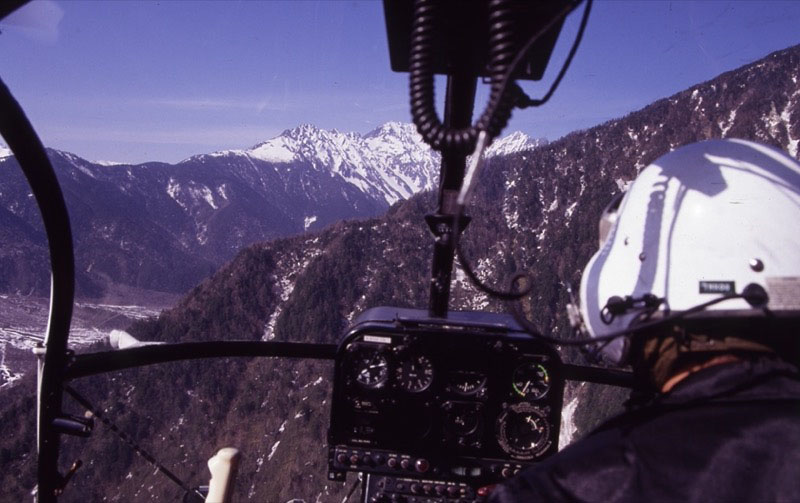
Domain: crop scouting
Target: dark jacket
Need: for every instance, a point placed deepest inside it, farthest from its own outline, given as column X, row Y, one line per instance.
column 726, row 433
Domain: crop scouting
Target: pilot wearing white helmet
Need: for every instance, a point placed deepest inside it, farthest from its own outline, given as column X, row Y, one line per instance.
column 696, row 286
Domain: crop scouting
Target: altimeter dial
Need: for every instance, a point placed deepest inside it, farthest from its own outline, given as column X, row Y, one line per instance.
column 414, row 373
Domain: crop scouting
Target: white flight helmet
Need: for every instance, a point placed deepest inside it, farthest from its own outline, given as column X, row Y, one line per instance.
column 704, row 221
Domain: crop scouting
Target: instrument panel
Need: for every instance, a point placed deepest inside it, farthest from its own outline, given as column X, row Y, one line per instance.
column 469, row 399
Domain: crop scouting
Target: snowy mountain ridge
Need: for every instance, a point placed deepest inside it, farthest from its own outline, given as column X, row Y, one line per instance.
column 389, row 163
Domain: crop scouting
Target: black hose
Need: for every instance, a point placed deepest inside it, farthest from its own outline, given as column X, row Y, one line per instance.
column 513, row 293
column 581, row 29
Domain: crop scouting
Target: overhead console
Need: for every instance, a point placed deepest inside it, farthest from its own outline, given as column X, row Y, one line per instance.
column 431, row 409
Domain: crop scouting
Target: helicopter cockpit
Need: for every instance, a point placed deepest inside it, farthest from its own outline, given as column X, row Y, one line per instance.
column 428, row 405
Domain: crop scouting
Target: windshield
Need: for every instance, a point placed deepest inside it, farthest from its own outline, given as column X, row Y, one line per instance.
column 249, row 171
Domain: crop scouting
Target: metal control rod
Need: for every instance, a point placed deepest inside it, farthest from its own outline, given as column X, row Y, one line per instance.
column 459, row 102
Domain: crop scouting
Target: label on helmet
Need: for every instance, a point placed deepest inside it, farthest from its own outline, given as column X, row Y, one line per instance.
column 724, row 287
column 784, row 293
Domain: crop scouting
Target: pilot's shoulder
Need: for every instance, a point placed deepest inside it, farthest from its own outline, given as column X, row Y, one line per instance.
column 600, row 467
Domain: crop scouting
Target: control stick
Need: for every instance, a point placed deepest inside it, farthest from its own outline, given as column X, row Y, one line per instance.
column 223, row 466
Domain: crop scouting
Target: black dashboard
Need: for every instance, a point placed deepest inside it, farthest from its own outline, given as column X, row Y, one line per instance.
column 432, row 409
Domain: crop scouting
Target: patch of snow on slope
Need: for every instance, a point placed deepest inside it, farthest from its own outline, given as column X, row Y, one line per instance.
column 202, row 234
column 725, row 127
column 773, row 120
column 205, row 192
column 477, row 301
column 286, row 284
column 568, row 428
column 77, row 163
column 84, row 170
column 512, row 217
column 317, row 382
column 570, row 209
column 174, row 189
column 513, row 143
column 696, row 96
column 7, row 376
column 274, row 150
column 786, row 116
column 308, row 221
column 272, row 451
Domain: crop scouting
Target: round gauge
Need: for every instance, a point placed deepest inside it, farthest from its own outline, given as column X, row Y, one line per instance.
column 371, row 370
column 531, row 380
column 462, row 419
column 467, row 383
column 414, row 373
column 523, row 431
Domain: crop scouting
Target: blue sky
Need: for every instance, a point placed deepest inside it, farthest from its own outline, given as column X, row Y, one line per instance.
column 137, row 81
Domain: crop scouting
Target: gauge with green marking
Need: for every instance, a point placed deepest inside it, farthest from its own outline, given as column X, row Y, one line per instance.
column 531, row 380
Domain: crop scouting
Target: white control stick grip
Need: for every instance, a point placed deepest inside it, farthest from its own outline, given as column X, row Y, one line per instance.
column 223, row 466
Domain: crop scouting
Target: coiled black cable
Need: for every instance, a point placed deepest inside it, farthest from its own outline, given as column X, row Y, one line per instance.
column 503, row 56
column 423, row 111
column 421, row 61
column 502, row 52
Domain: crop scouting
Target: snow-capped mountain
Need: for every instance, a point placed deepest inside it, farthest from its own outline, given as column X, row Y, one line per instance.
column 390, row 163
column 514, row 143
column 165, row 227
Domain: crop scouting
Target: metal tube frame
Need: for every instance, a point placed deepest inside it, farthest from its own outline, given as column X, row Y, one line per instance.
column 459, row 102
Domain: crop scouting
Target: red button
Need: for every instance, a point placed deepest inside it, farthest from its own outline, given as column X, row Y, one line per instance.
column 485, row 490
